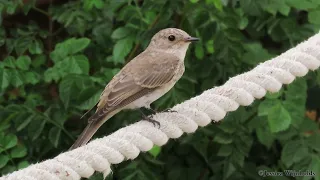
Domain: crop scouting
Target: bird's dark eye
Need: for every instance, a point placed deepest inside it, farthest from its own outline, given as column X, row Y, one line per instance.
column 171, row 38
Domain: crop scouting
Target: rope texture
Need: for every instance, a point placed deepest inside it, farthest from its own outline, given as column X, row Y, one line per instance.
column 213, row 104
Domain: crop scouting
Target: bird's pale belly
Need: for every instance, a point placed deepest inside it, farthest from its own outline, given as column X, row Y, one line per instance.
column 146, row 100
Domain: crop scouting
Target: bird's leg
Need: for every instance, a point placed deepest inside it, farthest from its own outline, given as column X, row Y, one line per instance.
column 154, row 111
column 149, row 119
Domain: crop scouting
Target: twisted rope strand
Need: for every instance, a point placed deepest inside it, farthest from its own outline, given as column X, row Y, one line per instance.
column 213, row 104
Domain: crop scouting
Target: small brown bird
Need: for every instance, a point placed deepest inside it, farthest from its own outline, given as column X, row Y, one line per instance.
column 143, row 80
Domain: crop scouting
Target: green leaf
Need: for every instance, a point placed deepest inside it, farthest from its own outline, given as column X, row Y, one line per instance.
column 295, row 101
column 77, row 64
column 265, row 136
column 16, row 77
column 11, row 7
column 77, row 45
column 68, row 47
column 155, row 151
column 67, row 89
column 228, row 127
column 279, row 118
column 243, row 23
column 266, row 105
column 36, row 47
column 194, row 1
column 225, row 150
column 54, row 136
column 20, row 125
column 36, row 127
column 313, row 142
column 18, row 152
column 23, row 164
column 9, row 61
column 255, row 54
column 51, row 74
column 32, row 77
column 303, row 5
column 121, row 49
column 199, row 51
column 38, row 61
column 9, row 141
column 210, row 46
column 228, row 169
column 4, row 78
column 275, row 95
column 313, row 17
column 3, row 160
column 216, row 3
column 223, row 138
column 120, row 33
column 89, row 97
column 23, row 62
column 89, row 4
column 293, row 152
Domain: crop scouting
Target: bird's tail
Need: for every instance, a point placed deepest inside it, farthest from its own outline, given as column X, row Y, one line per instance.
column 87, row 134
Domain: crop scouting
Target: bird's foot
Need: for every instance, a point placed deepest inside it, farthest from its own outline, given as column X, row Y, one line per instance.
column 149, row 119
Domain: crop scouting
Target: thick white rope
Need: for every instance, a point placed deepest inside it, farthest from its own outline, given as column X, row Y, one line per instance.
column 213, row 104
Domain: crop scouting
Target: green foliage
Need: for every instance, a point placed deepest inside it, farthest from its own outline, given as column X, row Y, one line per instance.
column 57, row 58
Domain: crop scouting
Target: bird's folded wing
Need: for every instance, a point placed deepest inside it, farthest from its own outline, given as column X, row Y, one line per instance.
column 134, row 85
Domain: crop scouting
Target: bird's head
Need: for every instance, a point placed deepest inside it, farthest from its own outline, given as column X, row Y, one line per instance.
column 171, row 40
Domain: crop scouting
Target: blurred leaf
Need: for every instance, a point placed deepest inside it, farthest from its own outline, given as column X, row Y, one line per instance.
column 266, row 105
column 32, row 77
column 279, row 118
column 313, row 17
column 38, row 61
column 18, row 152
column 155, row 151
column 122, row 49
column 67, row 89
column 265, row 136
column 36, row 128
column 8, row 141
column 3, row 160
column 4, row 78
column 293, row 152
column 89, row 97
column 255, row 54
column 23, row 62
column 225, row 150
column 68, row 47
column 77, row 45
column 9, row 61
column 23, row 164
column 36, row 47
column 89, row 4
column 303, row 5
column 223, row 138
column 54, row 136
column 313, row 141
column 199, row 51
column 16, row 77
column 120, row 33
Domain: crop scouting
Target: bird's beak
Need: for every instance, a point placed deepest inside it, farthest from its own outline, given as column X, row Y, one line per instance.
column 191, row 39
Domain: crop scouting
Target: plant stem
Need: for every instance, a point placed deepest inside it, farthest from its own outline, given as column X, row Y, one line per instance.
column 41, row 11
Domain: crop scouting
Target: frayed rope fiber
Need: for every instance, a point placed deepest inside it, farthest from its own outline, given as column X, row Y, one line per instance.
column 213, row 104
